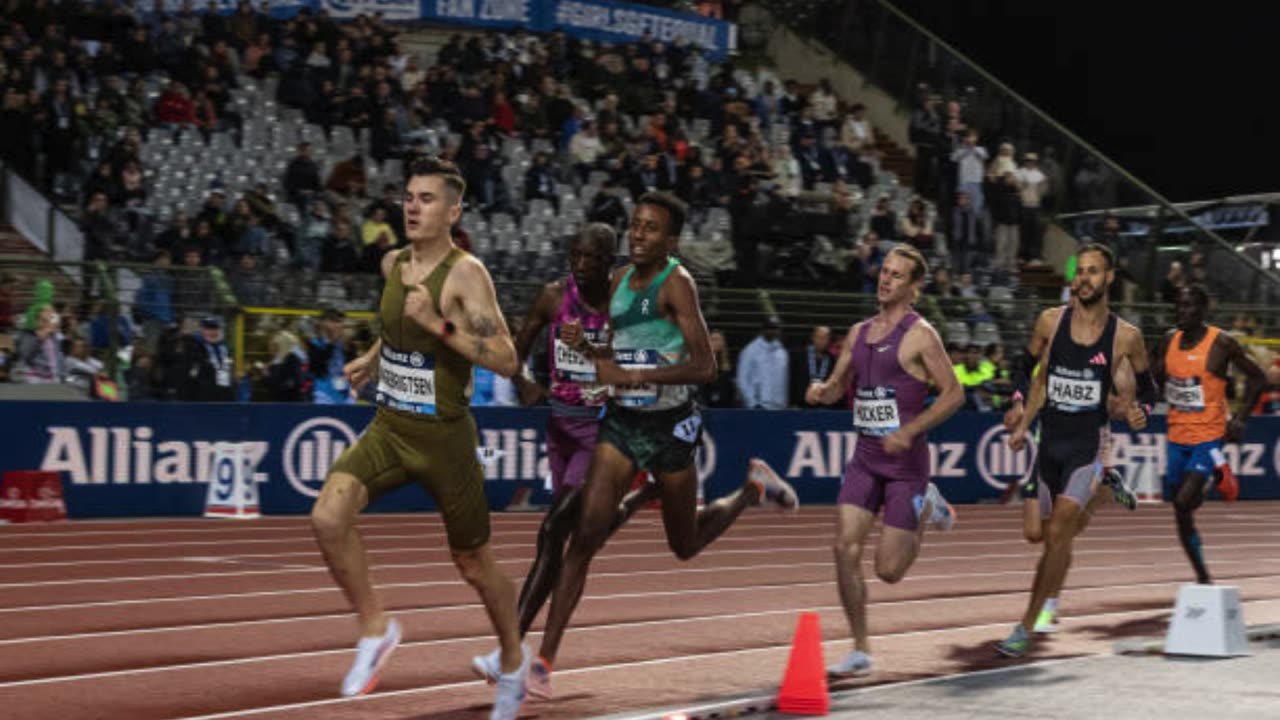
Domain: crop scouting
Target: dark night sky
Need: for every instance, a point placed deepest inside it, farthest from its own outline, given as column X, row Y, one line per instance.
column 1181, row 99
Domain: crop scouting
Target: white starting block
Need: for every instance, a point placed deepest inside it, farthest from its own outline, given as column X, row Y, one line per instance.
column 1207, row 621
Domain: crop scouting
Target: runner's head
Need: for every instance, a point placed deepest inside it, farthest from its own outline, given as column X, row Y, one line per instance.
column 591, row 254
column 655, row 227
column 1094, row 273
column 901, row 274
column 1192, row 306
column 433, row 191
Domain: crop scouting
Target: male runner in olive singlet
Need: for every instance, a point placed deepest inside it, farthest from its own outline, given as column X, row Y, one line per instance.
column 440, row 317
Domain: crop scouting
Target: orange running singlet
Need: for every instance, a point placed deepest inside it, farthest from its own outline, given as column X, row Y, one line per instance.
column 1197, row 398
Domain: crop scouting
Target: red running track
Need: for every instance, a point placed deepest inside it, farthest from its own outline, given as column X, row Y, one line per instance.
column 220, row 618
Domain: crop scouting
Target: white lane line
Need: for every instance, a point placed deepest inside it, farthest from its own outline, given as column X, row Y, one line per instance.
column 472, row 607
column 286, row 569
column 646, row 663
column 439, row 583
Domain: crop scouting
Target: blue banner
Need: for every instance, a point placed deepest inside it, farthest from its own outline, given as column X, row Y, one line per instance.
column 139, row 459
column 599, row 20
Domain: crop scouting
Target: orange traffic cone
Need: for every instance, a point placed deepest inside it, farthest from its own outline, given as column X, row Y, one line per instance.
column 804, row 686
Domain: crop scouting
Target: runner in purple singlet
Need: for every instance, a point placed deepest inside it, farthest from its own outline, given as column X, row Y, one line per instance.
column 576, row 401
column 891, row 359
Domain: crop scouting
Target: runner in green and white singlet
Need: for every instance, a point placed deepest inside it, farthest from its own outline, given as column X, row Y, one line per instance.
column 660, row 351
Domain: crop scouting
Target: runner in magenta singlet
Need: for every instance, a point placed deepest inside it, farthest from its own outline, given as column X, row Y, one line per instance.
column 576, row 401
column 890, row 361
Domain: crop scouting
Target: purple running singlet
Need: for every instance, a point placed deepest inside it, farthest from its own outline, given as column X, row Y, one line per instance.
column 885, row 398
column 575, row 397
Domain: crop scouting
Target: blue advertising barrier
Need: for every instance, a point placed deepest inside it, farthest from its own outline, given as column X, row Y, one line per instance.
column 599, row 20
column 123, row 460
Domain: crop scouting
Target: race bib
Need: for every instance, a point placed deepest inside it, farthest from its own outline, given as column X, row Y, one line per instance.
column 642, row 394
column 687, row 429
column 573, row 366
column 407, row 381
column 875, row 411
column 1185, row 394
column 1072, row 395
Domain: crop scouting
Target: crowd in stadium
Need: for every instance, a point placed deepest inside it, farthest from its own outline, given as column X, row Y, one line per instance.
column 533, row 121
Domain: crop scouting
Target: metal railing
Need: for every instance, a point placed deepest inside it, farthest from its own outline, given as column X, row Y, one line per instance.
column 911, row 63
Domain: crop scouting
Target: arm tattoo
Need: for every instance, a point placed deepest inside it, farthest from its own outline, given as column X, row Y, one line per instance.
column 483, row 327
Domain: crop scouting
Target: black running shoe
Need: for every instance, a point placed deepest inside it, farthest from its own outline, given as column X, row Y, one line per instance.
column 1122, row 494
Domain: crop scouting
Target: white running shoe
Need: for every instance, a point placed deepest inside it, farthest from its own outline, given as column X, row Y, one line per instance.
column 371, row 654
column 511, row 690
column 941, row 515
column 857, row 664
column 774, row 491
column 488, row 667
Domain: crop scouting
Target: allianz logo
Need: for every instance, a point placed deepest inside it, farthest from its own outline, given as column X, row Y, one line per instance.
column 96, row 455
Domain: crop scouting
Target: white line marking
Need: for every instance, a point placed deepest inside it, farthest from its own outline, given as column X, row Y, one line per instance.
column 641, row 663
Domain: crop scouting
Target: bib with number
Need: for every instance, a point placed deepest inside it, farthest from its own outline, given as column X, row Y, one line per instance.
column 875, row 411
column 1074, row 395
column 573, row 366
column 407, row 381
column 641, row 394
column 1185, row 394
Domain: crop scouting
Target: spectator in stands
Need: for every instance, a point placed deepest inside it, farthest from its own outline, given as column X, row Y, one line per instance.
column 967, row 244
column 153, row 306
column 81, row 367
column 347, row 179
column 174, row 109
column 972, row 374
column 341, row 251
column 1006, row 216
column 869, row 256
column 823, row 101
column 926, row 135
column 763, row 369
column 813, row 160
column 884, row 221
column 652, row 174
column 812, row 364
column 916, row 227
column 327, row 353
column 251, row 286
column 384, row 139
column 102, row 337
column 1174, row 281
column 8, row 282
column 206, row 366
column 971, row 161
column 585, row 150
column 486, row 191
column 311, row 237
column 38, row 352
column 102, row 235
column 973, row 298
column 721, row 392
column 607, row 206
column 284, row 379
column 1033, row 184
column 377, row 231
column 539, row 183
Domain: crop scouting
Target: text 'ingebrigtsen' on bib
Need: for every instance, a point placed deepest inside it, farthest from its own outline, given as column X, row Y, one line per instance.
column 407, row 381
